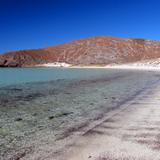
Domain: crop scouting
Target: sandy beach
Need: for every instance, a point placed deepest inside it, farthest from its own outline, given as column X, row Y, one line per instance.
column 152, row 64
column 48, row 120
column 79, row 80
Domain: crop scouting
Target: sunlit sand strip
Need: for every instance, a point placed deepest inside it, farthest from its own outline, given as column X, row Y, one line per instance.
column 140, row 65
column 123, row 66
column 135, row 67
column 55, row 64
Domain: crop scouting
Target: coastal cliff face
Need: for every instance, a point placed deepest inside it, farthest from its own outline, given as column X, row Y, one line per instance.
column 88, row 51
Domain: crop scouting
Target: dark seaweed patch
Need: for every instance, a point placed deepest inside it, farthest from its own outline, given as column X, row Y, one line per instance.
column 18, row 119
column 60, row 115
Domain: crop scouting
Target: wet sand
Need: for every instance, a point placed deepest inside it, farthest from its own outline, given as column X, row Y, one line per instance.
column 130, row 133
column 60, row 119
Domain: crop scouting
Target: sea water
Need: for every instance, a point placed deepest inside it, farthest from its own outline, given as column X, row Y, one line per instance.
column 14, row 76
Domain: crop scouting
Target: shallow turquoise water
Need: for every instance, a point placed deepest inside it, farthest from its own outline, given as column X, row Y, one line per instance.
column 11, row 76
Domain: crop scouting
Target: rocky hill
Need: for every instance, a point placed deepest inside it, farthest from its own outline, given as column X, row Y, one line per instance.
column 88, row 51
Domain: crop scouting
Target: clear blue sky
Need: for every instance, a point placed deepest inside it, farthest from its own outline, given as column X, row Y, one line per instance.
column 26, row 24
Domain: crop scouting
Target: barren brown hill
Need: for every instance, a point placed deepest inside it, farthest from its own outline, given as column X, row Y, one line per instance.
column 95, row 50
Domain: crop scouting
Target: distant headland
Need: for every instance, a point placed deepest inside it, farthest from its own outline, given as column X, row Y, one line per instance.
column 101, row 51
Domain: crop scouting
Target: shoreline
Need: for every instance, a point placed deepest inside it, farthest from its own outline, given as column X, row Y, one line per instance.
column 117, row 136
column 41, row 118
column 140, row 65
